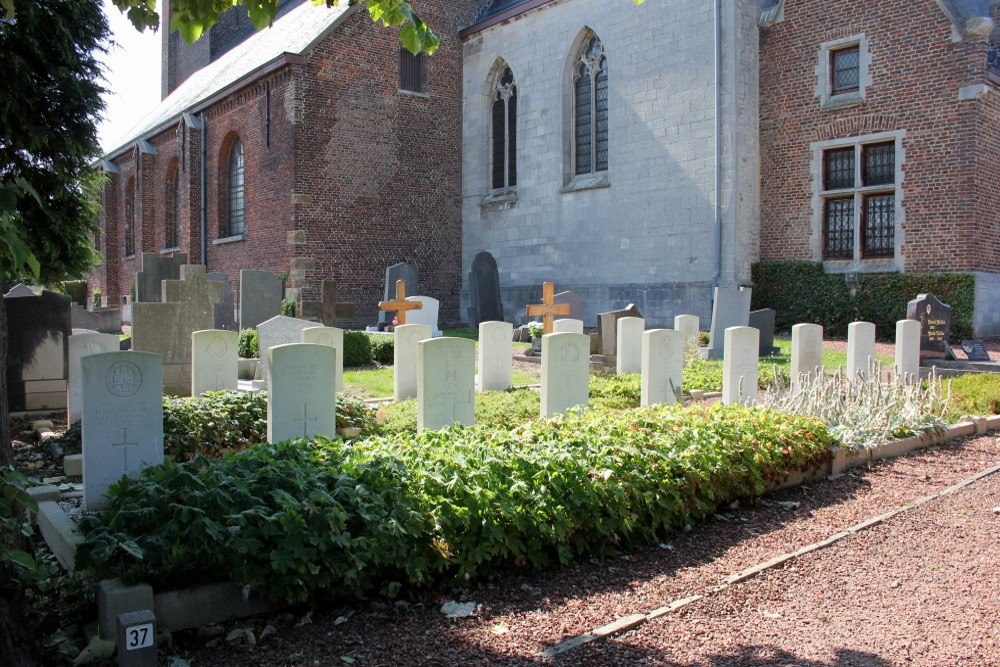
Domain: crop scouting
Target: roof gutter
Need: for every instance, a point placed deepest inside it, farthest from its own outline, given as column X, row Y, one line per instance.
column 505, row 15
column 247, row 79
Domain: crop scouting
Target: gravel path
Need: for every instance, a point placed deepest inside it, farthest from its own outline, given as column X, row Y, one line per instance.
column 920, row 589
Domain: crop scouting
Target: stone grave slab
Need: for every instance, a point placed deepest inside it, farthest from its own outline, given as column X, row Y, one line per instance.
column 165, row 328
column 628, row 355
column 484, row 290
column 214, row 361
column 155, row 269
column 406, row 272
column 975, row 350
column 607, row 329
column 662, row 366
column 763, row 321
column 427, row 315
column 301, row 396
column 730, row 308
column 260, row 298
column 935, row 324
column 807, row 351
column 568, row 325
column 739, row 366
column 332, row 337
column 496, row 348
column 38, row 327
column 860, row 349
column 80, row 346
column 908, row 339
column 122, row 419
column 279, row 330
column 565, row 372
column 405, row 359
column 224, row 311
column 446, row 370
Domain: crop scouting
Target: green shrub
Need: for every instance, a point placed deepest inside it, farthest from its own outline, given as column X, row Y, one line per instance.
column 383, row 348
column 328, row 519
column 95, row 298
column 248, row 346
column 213, row 423
column 288, row 307
column 802, row 292
column 75, row 290
column 357, row 349
column 974, row 394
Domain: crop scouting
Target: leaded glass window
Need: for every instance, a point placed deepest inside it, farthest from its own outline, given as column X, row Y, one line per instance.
column 845, row 70
column 504, row 128
column 880, row 225
column 840, row 228
column 590, row 115
column 838, row 169
column 236, row 189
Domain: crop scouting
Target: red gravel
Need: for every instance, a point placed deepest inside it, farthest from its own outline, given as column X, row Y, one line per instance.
column 838, row 606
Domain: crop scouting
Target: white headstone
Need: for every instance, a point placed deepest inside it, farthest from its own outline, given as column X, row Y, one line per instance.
column 427, row 315
column 628, row 356
column 214, row 361
column 122, row 419
column 860, row 348
column 662, row 366
column 568, row 325
column 739, row 366
column 565, row 372
column 334, row 337
column 496, row 350
column 279, row 330
column 404, row 359
column 807, row 351
column 446, row 377
column 80, row 346
column 76, row 332
column 908, row 349
column 20, row 289
column 301, row 399
column 688, row 325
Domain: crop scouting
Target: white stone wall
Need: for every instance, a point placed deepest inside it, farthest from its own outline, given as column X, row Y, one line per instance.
column 649, row 236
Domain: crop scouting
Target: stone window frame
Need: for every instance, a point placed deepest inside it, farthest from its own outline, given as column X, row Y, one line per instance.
column 824, row 73
column 858, row 263
column 226, row 232
column 577, row 55
column 505, row 94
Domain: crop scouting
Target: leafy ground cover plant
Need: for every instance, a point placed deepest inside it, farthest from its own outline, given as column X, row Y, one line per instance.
column 974, row 394
column 867, row 410
column 333, row 519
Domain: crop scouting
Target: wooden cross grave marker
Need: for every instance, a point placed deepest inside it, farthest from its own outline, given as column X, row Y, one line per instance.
column 548, row 308
column 400, row 305
column 328, row 310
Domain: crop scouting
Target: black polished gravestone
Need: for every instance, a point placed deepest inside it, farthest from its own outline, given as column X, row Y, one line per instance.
column 484, row 290
column 763, row 321
column 975, row 350
column 935, row 323
column 37, row 356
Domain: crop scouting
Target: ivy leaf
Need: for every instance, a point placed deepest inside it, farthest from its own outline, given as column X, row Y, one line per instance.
column 8, row 5
column 22, row 558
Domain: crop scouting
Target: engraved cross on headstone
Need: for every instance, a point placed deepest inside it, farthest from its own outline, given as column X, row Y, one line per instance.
column 305, row 419
column 548, row 308
column 124, row 445
column 400, row 305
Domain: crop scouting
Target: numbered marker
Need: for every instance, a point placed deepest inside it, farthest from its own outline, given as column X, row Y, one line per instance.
column 138, row 636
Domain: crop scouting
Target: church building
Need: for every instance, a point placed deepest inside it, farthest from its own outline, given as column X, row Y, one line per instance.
column 629, row 153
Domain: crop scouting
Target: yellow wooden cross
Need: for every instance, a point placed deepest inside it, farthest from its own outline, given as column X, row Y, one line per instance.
column 548, row 308
column 400, row 305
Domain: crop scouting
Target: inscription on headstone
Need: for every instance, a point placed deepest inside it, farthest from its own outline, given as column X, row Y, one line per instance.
column 333, row 337
column 445, row 383
column 301, row 396
column 935, row 322
column 404, row 359
column 565, row 372
column 662, row 366
column 495, row 353
column 975, row 350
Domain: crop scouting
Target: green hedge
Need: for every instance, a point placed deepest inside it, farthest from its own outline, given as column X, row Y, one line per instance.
column 364, row 349
column 324, row 518
column 802, row 292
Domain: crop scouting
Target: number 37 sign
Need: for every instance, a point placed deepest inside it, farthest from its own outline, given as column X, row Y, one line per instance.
column 137, row 639
column 138, row 636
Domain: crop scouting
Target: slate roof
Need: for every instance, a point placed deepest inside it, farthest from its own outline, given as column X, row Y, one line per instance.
column 294, row 33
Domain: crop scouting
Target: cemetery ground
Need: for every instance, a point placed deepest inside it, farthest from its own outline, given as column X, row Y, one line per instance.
column 855, row 602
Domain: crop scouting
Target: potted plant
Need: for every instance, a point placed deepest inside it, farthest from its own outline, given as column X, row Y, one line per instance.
column 535, row 330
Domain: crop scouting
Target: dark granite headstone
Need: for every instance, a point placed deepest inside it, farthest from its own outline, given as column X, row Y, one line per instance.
column 975, row 350
column 763, row 321
column 935, row 322
column 607, row 329
column 37, row 353
column 484, row 290
column 730, row 308
column 575, row 303
column 407, row 273
column 224, row 311
column 155, row 269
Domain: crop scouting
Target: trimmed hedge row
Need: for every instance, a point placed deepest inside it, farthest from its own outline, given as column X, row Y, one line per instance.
column 325, row 518
column 802, row 292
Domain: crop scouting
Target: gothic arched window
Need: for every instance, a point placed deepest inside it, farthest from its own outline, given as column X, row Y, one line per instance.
column 171, row 231
column 504, row 153
column 235, row 218
column 590, row 109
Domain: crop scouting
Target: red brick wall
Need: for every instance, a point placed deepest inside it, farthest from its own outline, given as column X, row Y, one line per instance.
column 916, row 71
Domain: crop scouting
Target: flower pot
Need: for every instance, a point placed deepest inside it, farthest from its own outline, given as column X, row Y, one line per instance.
column 247, row 369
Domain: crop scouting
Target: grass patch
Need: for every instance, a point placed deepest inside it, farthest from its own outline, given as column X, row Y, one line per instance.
column 974, row 394
column 377, row 382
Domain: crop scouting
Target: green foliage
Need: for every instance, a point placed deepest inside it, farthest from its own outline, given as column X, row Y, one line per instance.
column 383, row 348
column 974, row 394
column 498, row 409
column 248, row 345
column 214, row 423
column 329, row 519
column 536, row 329
column 95, row 297
column 802, row 292
column 288, row 307
column 357, row 349
column 75, row 290
column 704, row 375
